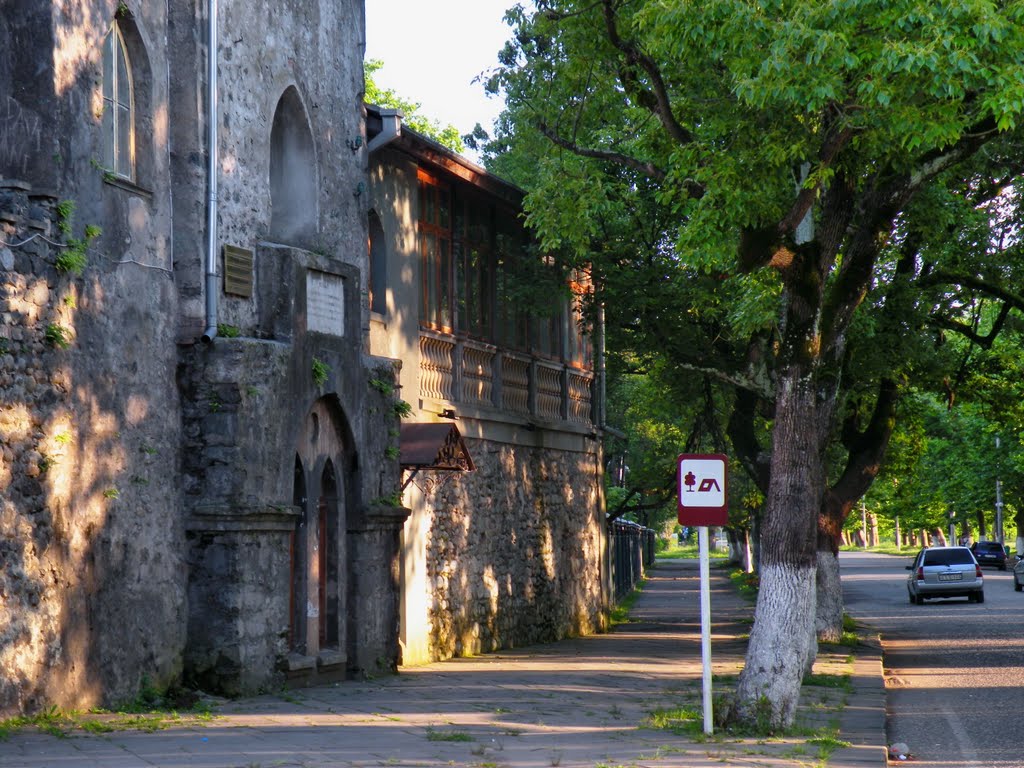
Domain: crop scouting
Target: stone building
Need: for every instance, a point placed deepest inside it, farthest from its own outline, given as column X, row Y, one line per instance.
column 200, row 415
column 511, row 552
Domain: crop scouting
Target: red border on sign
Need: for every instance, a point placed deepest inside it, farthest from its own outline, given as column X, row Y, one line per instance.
column 704, row 515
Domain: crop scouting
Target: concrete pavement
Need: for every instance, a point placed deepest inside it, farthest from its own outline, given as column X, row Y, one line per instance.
column 605, row 700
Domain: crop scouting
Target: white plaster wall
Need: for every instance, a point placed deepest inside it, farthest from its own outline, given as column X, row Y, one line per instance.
column 395, row 334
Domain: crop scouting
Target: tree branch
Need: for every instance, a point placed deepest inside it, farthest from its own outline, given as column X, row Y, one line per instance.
column 655, row 100
column 648, row 169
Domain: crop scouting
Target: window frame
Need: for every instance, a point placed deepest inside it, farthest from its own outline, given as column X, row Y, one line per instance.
column 117, row 63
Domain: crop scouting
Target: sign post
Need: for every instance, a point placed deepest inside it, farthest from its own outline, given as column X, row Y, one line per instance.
column 703, row 502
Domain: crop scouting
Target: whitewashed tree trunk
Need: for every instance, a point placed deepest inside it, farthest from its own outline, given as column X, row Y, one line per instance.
column 829, row 615
column 779, row 647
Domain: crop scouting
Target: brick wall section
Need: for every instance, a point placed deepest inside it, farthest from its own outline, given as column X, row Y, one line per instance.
column 514, row 556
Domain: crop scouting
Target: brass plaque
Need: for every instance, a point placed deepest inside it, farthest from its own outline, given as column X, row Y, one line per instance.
column 238, row 264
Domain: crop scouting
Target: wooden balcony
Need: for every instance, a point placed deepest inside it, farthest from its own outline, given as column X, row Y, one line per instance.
column 463, row 371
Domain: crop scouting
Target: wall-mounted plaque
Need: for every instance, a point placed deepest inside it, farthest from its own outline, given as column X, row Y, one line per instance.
column 238, row 271
column 325, row 303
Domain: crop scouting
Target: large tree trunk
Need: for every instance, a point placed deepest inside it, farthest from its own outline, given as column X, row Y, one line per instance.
column 866, row 451
column 781, row 648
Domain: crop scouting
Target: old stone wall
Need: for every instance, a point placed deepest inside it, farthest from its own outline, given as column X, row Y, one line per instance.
column 91, row 576
column 514, row 554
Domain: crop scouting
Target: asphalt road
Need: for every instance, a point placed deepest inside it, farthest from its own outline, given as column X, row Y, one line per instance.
column 954, row 670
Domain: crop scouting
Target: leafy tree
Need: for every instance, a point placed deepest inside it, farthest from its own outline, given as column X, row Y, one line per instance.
column 786, row 166
column 446, row 135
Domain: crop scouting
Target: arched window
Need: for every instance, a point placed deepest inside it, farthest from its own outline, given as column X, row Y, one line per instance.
column 293, row 177
column 118, row 107
column 378, row 266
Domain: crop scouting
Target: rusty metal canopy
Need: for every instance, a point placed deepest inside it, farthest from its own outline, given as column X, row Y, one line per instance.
column 437, row 447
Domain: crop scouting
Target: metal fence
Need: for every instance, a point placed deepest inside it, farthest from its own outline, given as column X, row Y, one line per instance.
column 632, row 550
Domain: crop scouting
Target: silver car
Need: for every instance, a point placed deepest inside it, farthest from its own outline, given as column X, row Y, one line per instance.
column 945, row 572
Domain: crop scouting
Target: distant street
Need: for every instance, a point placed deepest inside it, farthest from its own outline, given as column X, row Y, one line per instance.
column 954, row 670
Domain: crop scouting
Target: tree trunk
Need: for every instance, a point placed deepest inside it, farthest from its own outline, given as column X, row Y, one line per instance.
column 780, row 648
column 828, row 619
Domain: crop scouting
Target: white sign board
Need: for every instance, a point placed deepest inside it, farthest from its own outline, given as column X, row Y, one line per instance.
column 325, row 303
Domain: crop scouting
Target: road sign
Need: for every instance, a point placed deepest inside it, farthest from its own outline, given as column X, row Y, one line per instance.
column 703, row 488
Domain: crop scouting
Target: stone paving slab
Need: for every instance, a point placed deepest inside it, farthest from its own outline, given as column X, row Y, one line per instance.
column 580, row 702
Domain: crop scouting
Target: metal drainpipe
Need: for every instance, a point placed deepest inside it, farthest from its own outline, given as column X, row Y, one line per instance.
column 212, row 162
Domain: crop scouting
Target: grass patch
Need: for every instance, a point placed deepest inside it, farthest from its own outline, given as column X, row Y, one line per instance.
column 746, row 584
column 620, row 613
column 886, row 548
column 151, row 710
column 682, row 721
column 688, row 551
column 433, row 735
column 839, row 682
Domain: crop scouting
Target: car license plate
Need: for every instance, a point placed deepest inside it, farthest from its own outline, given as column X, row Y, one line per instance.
column 950, row 576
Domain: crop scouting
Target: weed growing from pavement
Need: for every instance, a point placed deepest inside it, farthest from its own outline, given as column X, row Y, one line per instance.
column 433, row 735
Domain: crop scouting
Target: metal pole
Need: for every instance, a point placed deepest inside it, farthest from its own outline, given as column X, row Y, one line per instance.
column 999, row 500
column 864, row 523
column 705, row 624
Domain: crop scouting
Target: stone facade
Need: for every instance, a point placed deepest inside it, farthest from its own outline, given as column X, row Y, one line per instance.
column 175, row 510
column 514, row 552
column 200, row 474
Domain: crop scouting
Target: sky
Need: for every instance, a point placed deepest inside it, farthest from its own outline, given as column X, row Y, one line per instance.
column 433, row 50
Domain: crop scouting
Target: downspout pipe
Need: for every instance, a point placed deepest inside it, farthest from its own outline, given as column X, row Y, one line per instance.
column 213, row 161
column 391, row 129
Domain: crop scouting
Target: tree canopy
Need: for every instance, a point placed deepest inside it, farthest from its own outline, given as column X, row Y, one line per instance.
column 798, row 199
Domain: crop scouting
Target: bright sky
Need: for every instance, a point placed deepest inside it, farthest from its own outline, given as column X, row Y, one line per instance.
column 433, row 50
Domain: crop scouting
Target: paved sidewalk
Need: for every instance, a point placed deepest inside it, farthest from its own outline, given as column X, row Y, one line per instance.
column 581, row 702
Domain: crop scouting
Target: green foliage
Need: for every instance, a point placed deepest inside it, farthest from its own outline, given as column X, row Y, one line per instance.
column 57, row 336
column 72, row 258
column 391, row 500
column 320, row 372
column 392, row 452
column 65, row 215
column 228, row 331
column 382, row 386
column 446, row 135
column 402, row 409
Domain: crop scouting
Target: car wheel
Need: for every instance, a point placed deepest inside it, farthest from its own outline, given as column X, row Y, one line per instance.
column 918, row 599
column 1017, row 586
column 979, row 597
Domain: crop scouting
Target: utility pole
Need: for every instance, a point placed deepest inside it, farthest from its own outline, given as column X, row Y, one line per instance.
column 864, row 523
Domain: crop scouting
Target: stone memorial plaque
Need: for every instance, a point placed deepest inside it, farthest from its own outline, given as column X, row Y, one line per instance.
column 325, row 303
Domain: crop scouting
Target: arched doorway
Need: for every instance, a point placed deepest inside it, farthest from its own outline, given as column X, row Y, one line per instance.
column 318, row 576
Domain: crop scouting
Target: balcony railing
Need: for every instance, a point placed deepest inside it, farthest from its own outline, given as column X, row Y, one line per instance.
column 460, row 370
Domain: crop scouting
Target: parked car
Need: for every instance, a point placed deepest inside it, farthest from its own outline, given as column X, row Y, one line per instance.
column 945, row 572
column 1018, row 574
column 989, row 553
